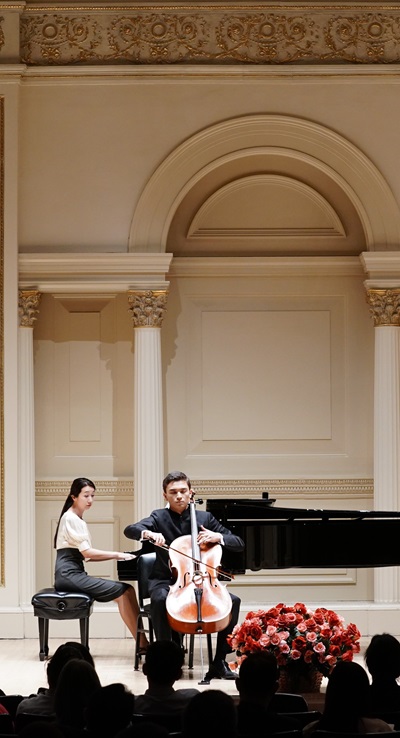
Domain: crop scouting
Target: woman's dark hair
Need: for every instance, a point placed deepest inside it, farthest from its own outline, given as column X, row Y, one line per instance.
column 213, row 702
column 77, row 681
column 346, row 698
column 77, row 485
column 64, row 653
column 382, row 656
column 109, row 710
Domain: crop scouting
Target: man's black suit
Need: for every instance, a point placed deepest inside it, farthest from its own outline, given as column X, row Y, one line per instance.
column 172, row 525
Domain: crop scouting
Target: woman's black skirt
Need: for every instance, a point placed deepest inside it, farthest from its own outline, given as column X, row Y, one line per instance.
column 70, row 576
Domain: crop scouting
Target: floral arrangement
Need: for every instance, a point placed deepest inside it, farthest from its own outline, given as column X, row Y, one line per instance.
column 300, row 638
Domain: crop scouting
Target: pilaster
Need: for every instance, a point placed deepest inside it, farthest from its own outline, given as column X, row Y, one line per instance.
column 147, row 308
column 28, row 306
column 383, row 297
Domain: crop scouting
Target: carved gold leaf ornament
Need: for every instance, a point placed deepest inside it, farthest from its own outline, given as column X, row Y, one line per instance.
column 168, row 34
column 28, row 307
column 157, row 37
column 53, row 38
column 369, row 38
column 264, row 37
column 384, row 306
column 2, row 37
column 147, row 307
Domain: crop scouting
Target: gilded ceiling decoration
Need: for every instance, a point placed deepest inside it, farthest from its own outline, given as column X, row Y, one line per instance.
column 212, row 33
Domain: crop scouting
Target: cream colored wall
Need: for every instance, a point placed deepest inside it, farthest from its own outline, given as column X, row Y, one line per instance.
column 11, row 545
column 269, row 377
column 84, row 389
column 99, row 138
column 264, row 378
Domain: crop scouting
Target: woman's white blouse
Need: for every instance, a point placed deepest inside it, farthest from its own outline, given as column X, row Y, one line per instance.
column 73, row 532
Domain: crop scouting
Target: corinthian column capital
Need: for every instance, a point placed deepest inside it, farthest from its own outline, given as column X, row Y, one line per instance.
column 147, row 307
column 384, row 306
column 28, row 307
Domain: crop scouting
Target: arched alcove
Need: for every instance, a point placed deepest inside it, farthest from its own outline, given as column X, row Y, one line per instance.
column 350, row 207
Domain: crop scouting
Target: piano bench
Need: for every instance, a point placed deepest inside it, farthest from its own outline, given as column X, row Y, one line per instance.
column 48, row 604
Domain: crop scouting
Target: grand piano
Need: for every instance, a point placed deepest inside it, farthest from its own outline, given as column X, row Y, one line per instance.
column 284, row 537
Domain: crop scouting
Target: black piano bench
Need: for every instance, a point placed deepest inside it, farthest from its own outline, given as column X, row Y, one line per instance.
column 48, row 604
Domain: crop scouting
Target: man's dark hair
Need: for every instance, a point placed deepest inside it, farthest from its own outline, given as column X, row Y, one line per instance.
column 382, row 656
column 164, row 661
column 176, row 476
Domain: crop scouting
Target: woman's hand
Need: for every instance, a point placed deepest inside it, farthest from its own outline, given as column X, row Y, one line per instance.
column 124, row 556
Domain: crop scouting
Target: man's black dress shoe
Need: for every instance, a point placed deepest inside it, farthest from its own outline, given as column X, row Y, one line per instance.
column 219, row 669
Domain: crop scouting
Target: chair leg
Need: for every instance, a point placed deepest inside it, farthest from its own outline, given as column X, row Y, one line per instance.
column 191, row 651
column 84, row 628
column 43, row 638
column 209, row 649
column 139, row 630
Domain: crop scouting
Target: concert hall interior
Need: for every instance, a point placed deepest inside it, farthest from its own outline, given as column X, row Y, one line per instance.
column 200, row 271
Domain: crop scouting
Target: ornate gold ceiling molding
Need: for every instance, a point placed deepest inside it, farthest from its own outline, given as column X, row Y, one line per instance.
column 217, row 33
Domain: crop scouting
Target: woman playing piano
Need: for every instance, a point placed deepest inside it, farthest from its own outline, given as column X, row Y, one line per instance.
column 74, row 546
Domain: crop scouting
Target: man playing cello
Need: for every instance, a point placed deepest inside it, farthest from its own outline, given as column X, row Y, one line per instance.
column 162, row 527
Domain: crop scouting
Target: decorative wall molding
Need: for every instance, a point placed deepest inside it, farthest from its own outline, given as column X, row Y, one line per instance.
column 58, row 489
column 285, row 488
column 217, row 33
column 92, row 274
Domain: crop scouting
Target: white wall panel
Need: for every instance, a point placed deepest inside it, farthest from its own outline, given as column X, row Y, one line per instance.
column 83, row 390
column 272, row 378
column 275, row 365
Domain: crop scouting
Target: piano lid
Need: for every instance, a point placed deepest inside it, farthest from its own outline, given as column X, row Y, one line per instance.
column 261, row 509
column 279, row 537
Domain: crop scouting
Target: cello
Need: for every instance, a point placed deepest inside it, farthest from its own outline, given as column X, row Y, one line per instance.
column 197, row 602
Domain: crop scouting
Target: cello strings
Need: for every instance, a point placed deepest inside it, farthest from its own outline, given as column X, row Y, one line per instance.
column 196, row 561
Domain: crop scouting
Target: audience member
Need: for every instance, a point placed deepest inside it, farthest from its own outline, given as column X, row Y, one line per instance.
column 163, row 667
column 211, row 713
column 77, row 682
column 42, row 703
column 382, row 659
column 146, row 729
column 109, row 710
column 347, row 703
column 41, row 729
column 257, row 683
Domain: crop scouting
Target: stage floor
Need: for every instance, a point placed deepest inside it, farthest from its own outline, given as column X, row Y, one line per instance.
column 21, row 671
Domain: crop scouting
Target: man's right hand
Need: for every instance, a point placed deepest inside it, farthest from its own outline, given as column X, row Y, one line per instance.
column 156, row 538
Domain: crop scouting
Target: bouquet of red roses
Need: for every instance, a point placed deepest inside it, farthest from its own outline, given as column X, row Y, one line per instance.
column 299, row 637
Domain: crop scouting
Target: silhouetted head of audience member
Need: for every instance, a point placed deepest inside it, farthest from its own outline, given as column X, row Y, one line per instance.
column 163, row 663
column 382, row 657
column 83, row 650
column 109, row 709
column 77, row 681
column 211, row 713
column 258, row 677
column 65, row 652
column 346, row 698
